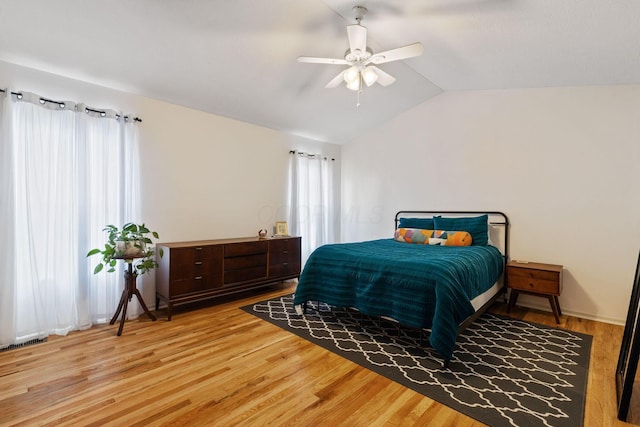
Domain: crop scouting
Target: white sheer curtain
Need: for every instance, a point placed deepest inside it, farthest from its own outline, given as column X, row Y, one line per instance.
column 7, row 264
column 69, row 172
column 311, row 200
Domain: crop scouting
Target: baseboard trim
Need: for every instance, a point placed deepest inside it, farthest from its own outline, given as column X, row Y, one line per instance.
column 543, row 307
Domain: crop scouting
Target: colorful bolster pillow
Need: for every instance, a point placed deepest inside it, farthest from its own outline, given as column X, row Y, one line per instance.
column 433, row 237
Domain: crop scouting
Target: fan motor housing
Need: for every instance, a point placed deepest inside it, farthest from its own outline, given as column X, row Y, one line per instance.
column 357, row 56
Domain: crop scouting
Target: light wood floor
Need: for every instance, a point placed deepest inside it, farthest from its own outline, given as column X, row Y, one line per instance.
column 217, row 365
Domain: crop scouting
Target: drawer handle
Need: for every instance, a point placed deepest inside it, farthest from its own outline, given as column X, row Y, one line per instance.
column 198, row 249
column 531, row 285
column 285, row 252
column 198, row 278
column 285, row 263
column 198, row 262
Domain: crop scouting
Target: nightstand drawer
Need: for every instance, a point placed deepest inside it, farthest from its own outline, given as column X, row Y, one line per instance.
column 529, row 273
column 530, row 284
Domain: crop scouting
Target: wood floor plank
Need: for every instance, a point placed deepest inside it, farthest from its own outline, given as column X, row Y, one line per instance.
column 217, row 365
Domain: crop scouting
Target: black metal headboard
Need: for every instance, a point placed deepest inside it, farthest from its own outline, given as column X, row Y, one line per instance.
column 496, row 219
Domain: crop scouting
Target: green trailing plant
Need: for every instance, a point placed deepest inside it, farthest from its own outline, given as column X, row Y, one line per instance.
column 128, row 242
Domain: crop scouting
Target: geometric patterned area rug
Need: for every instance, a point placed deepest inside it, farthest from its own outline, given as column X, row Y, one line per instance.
column 504, row 372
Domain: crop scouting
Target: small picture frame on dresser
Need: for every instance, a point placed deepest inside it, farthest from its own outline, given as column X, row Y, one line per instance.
column 282, row 228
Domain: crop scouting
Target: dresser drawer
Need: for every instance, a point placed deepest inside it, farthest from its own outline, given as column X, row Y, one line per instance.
column 182, row 263
column 245, row 262
column 207, row 281
column 238, row 263
column 195, row 285
column 284, row 257
column 188, row 263
column 245, row 274
column 284, row 269
column 242, row 249
column 284, row 250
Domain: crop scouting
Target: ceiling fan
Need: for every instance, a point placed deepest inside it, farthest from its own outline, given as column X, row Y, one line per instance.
column 361, row 60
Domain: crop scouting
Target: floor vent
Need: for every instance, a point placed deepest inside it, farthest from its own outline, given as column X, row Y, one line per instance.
column 24, row 344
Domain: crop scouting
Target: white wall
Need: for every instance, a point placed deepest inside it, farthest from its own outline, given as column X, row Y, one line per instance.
column 563, row 164
column 203, row 176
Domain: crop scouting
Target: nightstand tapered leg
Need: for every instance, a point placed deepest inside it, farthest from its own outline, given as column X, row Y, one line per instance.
column 513, row 298
column 555, row 297
column 555, row 307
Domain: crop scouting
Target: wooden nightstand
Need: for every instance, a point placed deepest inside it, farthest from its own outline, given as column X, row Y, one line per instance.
column 535, row 278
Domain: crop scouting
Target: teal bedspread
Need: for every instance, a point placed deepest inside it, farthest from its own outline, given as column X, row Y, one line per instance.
column 422, row 286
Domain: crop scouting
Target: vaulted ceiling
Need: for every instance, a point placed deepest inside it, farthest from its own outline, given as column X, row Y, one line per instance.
column 237, row 58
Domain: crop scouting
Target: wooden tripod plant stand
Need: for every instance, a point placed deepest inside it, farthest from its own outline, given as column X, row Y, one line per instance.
column 128, row 292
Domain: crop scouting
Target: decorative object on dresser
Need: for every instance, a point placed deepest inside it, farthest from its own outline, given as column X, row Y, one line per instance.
column 197, row 270
column 282, row 229
column 535, row 278
column 128, row 243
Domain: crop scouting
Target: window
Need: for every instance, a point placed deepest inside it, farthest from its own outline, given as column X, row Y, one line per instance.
column 69, row 172
column 311, row 196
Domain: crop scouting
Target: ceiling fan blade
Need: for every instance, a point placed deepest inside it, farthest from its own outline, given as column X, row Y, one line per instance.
column 384, row 79
column 316, row 60
column 403, row 52
column 357, row 38
column 335, row 82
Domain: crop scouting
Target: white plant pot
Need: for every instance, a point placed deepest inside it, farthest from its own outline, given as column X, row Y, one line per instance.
column 130, row 248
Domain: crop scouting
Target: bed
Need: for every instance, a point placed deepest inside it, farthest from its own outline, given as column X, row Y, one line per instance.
column 431, row 283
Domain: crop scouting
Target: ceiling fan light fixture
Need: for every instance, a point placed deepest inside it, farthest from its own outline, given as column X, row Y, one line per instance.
column 354, row 85
column 369, row 76
column 351, row 74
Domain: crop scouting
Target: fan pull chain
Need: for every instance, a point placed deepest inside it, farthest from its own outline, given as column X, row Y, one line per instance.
column 359, row 90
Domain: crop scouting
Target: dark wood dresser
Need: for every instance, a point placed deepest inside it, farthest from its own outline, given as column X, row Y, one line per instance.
column 191, row 271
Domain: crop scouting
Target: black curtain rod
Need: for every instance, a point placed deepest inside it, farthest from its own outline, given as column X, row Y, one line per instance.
column 308, row 155
column 87, row 109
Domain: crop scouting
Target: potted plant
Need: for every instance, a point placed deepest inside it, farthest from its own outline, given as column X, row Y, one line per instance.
column 129, row 242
